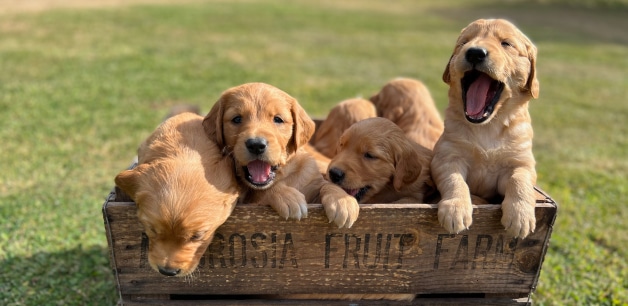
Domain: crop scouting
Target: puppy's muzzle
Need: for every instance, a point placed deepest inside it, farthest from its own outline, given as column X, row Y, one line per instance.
column 256, row 145
column 476, row 55
column 337, row 177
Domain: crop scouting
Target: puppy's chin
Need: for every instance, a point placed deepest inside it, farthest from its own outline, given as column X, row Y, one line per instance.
column 257, row 186
column 481, row 95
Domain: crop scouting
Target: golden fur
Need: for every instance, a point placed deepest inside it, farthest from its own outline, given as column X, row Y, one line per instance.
column 184, row 190
column 483, row 151
column 265, row 131
column 377, row 163
column 408, row 103
column 341, row 117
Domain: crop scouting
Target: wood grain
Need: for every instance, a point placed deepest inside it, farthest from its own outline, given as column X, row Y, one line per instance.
column 397, row 248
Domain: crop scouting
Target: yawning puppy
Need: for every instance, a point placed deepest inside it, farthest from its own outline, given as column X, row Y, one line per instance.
column 184, row 190
column 265, row 131
column 376, row 163
column 486, row 148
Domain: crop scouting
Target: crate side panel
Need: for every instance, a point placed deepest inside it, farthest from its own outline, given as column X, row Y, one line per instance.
column 391, row 248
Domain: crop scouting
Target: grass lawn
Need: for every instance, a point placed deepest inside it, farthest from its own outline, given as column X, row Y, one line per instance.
column 80, row 87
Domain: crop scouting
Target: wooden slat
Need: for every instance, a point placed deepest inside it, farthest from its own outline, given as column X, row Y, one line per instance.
column 390, row 249
column 256, row 302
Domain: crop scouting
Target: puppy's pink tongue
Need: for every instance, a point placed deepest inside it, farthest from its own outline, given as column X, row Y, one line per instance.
column 477, row 95
column 259, row 170
column 352, row 192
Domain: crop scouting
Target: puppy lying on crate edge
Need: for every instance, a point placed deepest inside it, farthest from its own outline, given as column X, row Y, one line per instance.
column 486, row 148
column 184, row 190
column 377, row 163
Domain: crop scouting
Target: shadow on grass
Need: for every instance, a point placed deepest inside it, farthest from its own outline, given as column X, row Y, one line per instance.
column 557, row 21
column 74, row 277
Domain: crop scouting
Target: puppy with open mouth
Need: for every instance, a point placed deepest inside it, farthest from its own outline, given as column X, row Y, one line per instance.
column 265, row 131
column 486, row 147
column 375, row 162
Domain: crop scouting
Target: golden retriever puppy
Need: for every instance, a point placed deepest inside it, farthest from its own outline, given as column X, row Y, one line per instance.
column 486, row 148
column 341, row 117
column 377, row 163
column 184, row 190
column 408, row 103
column 264, row 130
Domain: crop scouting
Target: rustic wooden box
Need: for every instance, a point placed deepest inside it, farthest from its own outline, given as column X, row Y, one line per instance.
column 392, row 248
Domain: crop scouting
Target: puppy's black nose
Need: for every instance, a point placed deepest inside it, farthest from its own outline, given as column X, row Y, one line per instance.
column 256, row 145
column 168, row 271
column 476, row 55
column 336, row 175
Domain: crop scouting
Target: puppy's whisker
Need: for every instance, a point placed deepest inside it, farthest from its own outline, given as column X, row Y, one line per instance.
column 190, row 277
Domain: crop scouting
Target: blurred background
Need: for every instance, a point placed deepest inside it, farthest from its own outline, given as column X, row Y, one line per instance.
column 83, row 82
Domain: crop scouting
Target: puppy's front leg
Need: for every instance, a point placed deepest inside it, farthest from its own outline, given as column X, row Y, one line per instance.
column 455, row 212
column 340, row 207
column 518, row 206
column 287, row 201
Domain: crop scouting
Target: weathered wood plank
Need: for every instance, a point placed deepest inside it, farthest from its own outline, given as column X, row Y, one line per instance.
column 390, row 249
column 261, row 301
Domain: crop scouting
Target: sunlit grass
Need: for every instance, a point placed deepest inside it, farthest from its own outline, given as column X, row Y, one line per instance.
column 80, row 88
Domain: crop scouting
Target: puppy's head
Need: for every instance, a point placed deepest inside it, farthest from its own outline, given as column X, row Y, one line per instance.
column 340, row 118
column 261, row 127
column 374, row 154
column 400, row 96
column 179, row 212
column 492, row 66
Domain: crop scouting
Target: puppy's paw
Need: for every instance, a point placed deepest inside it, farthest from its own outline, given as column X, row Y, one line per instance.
column 455, row 215
column 342, row 210
column 518, row 218
column 290, row 203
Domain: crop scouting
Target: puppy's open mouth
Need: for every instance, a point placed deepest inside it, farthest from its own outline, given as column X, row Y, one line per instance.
column 259, row 173
column 357, row 193
column 480, row 94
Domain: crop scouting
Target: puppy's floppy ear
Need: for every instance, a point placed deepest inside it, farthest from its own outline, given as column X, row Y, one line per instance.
column 303, row 127
column 446, row 75
column 213, row 122
column 129, row 180
column 533, row 83
column 407, row 166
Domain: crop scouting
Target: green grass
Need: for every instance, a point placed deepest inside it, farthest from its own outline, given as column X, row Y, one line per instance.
column 80, row 88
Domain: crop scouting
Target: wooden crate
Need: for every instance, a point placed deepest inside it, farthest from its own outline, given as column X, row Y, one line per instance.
column 392, row 248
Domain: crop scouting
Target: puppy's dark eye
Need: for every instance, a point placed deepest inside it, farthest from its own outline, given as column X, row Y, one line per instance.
column 237, row 119
column 368, row 155
column 506, row 44
column 277, row 119
column 197, row 236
